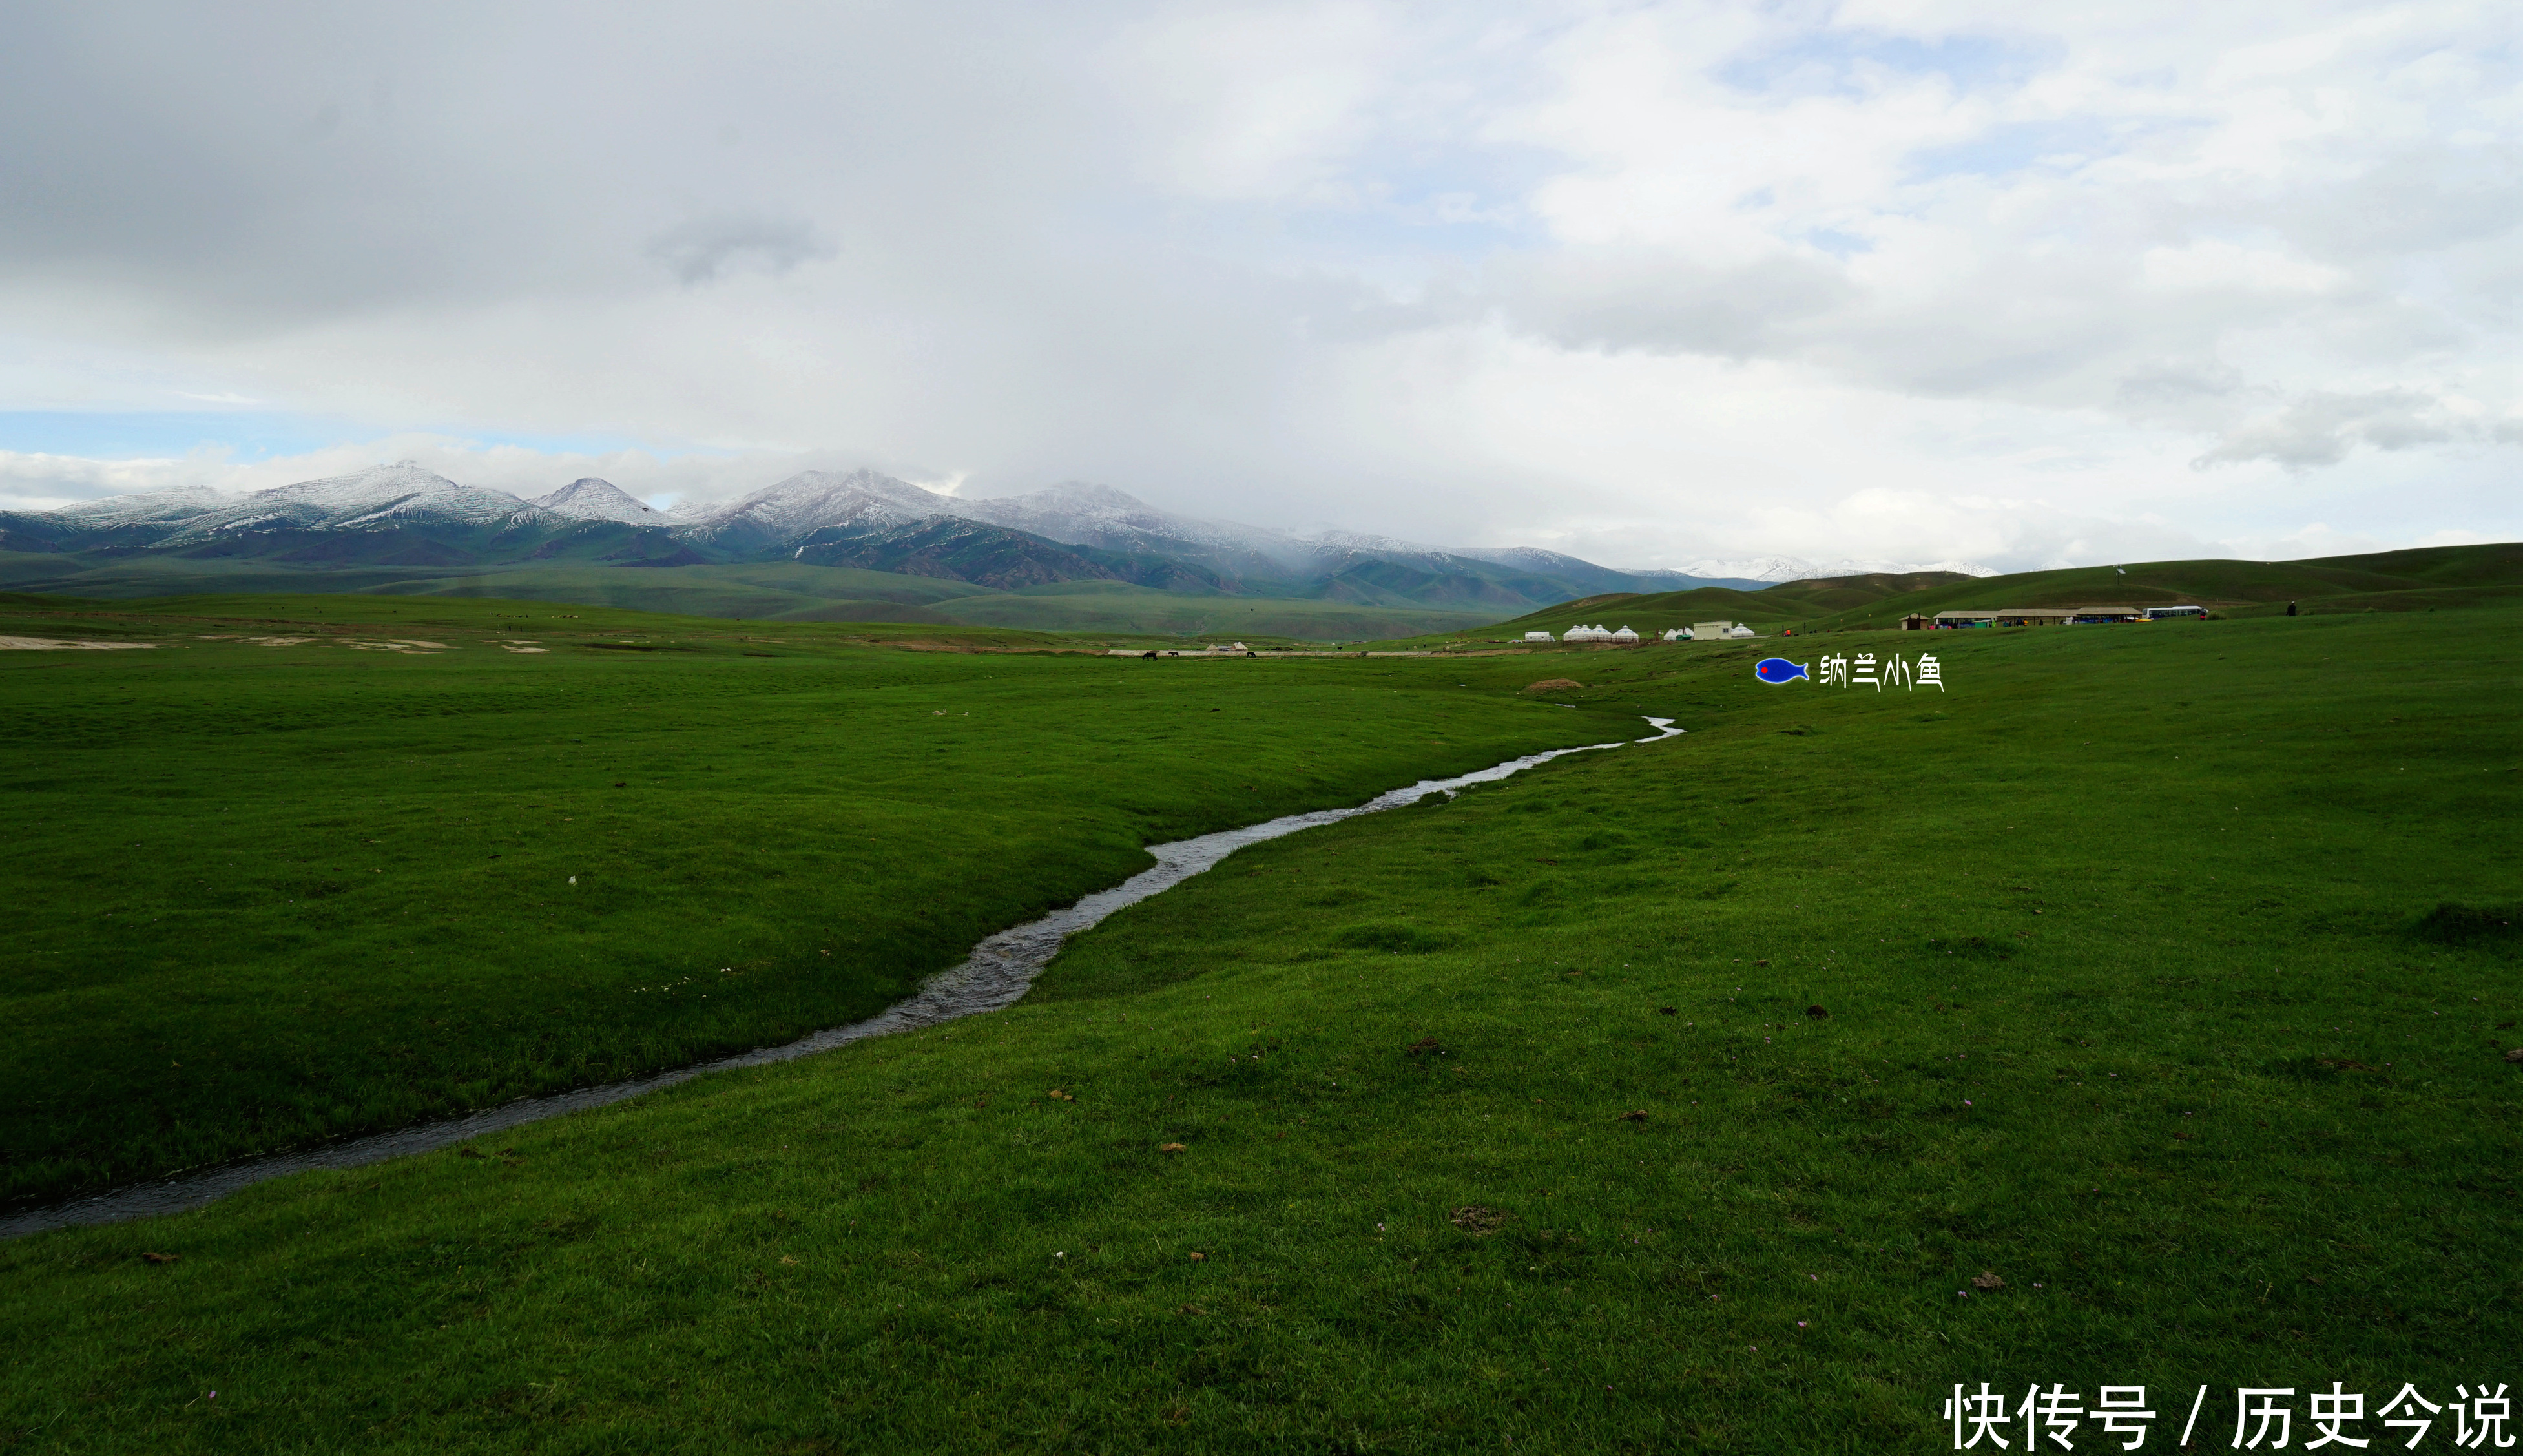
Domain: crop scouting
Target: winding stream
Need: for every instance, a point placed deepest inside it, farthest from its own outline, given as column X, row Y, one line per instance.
column 994, row 977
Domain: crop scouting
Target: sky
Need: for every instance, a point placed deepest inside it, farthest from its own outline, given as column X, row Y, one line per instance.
column 1653, row 284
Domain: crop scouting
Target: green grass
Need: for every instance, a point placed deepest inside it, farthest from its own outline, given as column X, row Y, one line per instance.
column 760, row 591
column 2141, row 993
column 2413, row 581
column 266, row 895
column 2424, row 579
column 1144, row 612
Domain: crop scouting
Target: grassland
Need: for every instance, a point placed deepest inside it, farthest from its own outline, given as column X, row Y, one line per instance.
column 763, row 592
column 1111, row 608
column 1511, row 1120
column 2431, row 579
column 2423, row 579
column 1841, row 600
column 303, row 869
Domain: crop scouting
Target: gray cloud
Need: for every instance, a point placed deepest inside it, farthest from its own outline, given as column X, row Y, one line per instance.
column 2320, row 429
column 700, row 251
column 1517, row 270
column 1635, row 300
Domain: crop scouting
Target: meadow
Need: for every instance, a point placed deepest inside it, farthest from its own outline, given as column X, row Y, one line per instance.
column 302, row 870
column 765, row 591
column 2131, row 1011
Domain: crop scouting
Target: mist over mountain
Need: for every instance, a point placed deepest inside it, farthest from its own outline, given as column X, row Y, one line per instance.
column 1775, row 569
column 865, row 520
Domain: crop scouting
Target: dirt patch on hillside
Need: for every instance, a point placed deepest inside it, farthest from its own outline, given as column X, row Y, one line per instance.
column 1554, row 684
column 58, row 644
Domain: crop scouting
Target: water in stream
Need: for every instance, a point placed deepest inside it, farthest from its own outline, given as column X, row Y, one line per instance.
column 995, row 975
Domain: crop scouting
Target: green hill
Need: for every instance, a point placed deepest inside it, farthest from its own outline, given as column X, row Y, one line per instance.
column 1651, row 614
column 2418, row 579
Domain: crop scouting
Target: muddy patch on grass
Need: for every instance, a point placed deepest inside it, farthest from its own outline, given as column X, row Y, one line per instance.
column 64, row 645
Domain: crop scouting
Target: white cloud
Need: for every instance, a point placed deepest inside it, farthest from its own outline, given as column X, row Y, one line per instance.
column 2322, row 428
column 1885, row 278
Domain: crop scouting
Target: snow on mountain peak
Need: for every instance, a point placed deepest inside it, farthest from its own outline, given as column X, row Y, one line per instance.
column 588, row 499
column 1361, row 544
column 1087, row 496
column 814, row 500
column 148, row 508
column 1524, row 558
column 377, row 497
column 783, row 513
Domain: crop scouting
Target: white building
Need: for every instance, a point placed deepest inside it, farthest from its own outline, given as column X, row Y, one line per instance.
column 1536, row 637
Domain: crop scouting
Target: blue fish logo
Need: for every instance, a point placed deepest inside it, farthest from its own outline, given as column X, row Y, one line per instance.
column 1778, row 670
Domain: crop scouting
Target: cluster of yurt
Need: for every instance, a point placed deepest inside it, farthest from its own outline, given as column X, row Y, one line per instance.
column 1597, row 634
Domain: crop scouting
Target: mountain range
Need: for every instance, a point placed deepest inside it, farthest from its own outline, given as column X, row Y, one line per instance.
column 404, row 516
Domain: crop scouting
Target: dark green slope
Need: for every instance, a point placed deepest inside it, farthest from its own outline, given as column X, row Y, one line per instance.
column 951, row 549
column 2414, row 580
column 1651, row 614
column 1391, row 584
column 1847, row 593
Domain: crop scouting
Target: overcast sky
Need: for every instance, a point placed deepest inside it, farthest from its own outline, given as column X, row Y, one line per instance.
column 1653, row 283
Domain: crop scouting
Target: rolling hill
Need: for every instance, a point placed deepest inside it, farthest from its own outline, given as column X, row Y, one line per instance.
column 2416, row 579
column 1789, row 604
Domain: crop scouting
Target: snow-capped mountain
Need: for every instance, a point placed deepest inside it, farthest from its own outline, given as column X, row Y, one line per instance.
column 588, row 498
column 166, row 508
column 403, row 515
column 1360, row 545
column 379, row 497
column 1523, row 558
column 786, row 513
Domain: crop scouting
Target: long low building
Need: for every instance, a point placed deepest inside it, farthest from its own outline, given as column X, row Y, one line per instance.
column 2045, row 617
